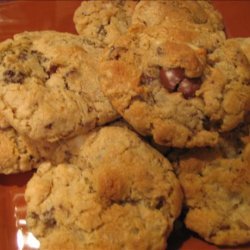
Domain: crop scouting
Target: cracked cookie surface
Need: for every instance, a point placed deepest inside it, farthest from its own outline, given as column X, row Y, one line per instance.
column 104, row 20
column 226, row 86
column 177, row 111
column 194, row 18
column 3, row 123
column 216, row 186
column 244, row 43
column 49, row 88
column 121, row 194
column 18, row 153
column 199, row 12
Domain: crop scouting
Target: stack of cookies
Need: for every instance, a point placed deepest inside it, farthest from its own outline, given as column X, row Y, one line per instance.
column 144, row 113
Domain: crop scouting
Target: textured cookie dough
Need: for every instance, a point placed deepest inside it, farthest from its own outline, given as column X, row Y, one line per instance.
column 244, row 44
column 19, row 154
column 131, row 79
column 121, row 194
column 49, row 85
column 216, row 185
column 193, row 18
column 197, row 12
column 104, row 21
column 16, row 155
column 3, row 123
column 226, row 86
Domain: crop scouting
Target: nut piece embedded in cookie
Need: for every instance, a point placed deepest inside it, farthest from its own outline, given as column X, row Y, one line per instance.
column 121, row 193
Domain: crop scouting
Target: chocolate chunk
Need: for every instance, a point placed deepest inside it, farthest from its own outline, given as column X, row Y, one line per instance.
column 188, row 87
column 49, row 126
column 11, row 76
column 170, row 78
column 52, row 70
column 160, row 202
column 175, row 80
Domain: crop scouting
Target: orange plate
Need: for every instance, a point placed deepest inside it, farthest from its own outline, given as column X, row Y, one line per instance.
column 18, row 16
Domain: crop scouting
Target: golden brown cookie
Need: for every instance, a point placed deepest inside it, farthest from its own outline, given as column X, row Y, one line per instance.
column 16, row 154
column 226, row 89
column 104, row 21
column 167, row 85
column 121, row 193
column 20, row 154
column 216, row 185
column 196, row 18
column 49, row 88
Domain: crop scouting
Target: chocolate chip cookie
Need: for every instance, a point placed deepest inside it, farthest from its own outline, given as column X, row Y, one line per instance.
column 216, row 185
column 104, row 21
column 162, row 85
column 49, row 85
column 120, row 194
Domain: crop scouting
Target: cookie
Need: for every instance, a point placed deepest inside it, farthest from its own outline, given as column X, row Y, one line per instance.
column 49, row 88
column 226, row 89
column 194, row 17
column 158, row 81
column 216, row 189
column 121, row 193
column 198, row 12
column 104, row 21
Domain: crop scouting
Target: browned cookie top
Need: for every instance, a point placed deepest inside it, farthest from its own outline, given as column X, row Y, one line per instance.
column 119, row 194
column 216, row 185
column 161, row 81
column 178, row 12
column 104, row 20
column 49, row 86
